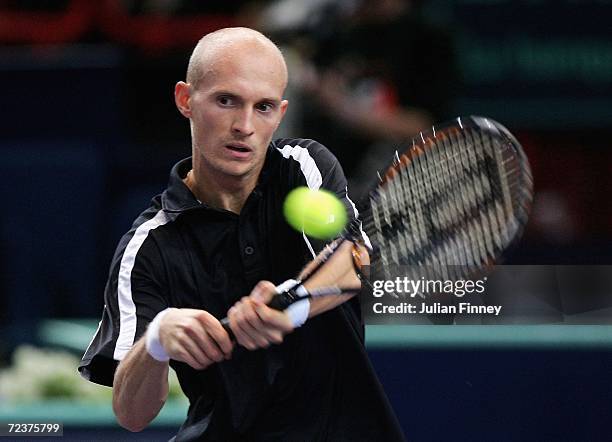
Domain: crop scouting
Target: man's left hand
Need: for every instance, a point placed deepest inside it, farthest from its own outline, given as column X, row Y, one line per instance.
column 254, row 324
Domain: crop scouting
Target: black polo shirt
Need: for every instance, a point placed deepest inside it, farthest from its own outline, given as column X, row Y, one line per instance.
column 318, row 384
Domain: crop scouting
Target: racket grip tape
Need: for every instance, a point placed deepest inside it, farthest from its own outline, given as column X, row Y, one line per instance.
column 284, row 300
column 227, row 328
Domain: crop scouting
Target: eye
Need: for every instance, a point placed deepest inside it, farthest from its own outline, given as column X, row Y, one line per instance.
column 265, row 107
column 226, row 100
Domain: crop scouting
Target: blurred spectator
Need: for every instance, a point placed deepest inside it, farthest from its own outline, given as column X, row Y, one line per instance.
column 381, row 75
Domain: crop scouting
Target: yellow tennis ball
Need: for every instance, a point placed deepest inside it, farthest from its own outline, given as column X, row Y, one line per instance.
column 317, row 213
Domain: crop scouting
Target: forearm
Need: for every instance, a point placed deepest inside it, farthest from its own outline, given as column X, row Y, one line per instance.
column 339, row 270
column 325, row 303
column 140, row 388
column 400, row 124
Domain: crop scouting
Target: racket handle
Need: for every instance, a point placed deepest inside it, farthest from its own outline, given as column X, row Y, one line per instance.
column 226, row 327
column 283, row 300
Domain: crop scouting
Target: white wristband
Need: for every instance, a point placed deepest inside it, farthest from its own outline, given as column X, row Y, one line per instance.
column 284, row 286
column 152, row 344
column 298, row 311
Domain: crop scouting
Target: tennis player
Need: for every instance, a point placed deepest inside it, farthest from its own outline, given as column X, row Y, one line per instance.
column 215, row 235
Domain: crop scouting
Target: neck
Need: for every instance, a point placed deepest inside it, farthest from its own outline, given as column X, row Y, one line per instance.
column 222, row 192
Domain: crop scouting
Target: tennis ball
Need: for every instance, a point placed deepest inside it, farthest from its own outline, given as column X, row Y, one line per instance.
column 317, row 213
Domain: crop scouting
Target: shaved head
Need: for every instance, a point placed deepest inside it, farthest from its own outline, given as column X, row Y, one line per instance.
column 226, row 44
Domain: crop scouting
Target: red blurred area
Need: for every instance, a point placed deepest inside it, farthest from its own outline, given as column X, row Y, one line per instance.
column 69, row 21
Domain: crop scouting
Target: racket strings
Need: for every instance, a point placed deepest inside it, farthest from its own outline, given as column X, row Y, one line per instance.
column 491, row 218
column 461, row 204
column 451, row 204
column 396, row 200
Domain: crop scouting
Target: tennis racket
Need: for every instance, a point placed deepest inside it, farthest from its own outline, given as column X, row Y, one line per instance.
column 452, row 201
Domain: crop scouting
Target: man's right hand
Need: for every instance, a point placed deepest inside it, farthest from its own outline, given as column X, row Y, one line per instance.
column 194, row 337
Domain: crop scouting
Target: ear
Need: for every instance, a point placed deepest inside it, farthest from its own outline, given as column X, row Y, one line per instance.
column 182, row 96
column 283, row 108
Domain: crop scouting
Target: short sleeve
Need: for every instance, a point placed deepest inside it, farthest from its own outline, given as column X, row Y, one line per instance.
column 135, row 292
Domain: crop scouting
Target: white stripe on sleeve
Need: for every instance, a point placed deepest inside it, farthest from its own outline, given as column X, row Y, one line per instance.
column 127, row 308
column 309, row 168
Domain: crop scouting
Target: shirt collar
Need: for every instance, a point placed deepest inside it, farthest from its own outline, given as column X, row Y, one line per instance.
column 179, row 198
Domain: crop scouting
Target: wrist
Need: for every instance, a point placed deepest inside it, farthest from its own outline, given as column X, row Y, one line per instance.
column 298, row 311
column 152, row 342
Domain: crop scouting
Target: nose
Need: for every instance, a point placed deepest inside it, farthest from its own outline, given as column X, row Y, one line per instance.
column 243, row 122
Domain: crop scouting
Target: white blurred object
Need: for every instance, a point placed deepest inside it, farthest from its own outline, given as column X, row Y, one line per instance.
column 289, row 14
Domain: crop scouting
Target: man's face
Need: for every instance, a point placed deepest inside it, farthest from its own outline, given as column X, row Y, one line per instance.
column 235, row 109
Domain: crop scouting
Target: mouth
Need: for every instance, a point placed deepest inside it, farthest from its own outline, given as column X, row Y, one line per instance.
column 239, row 147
